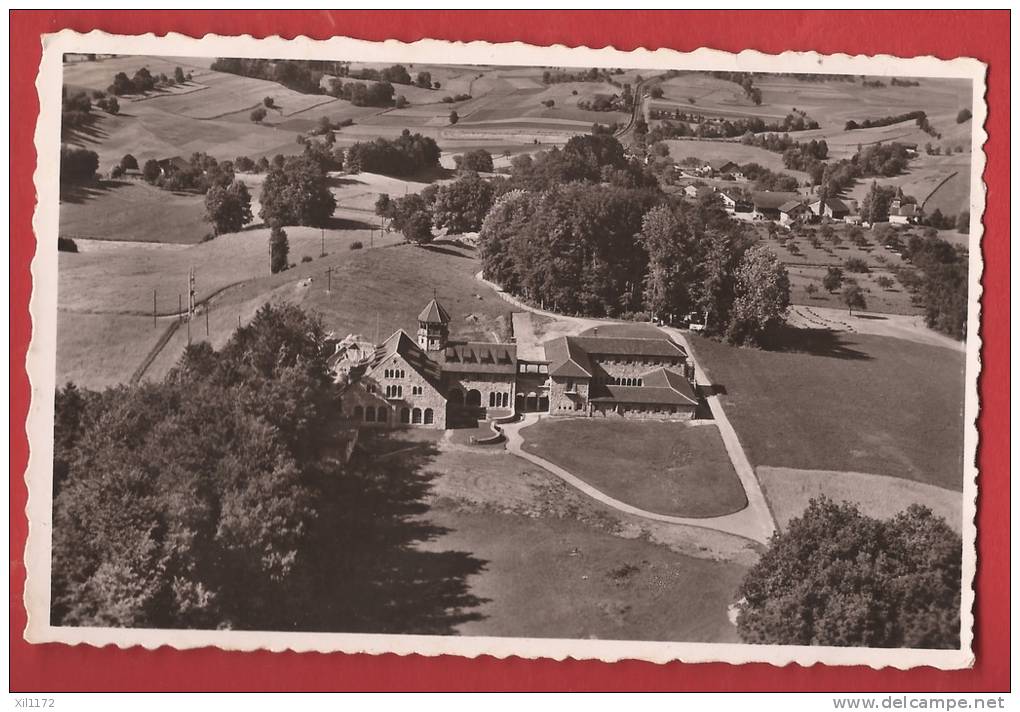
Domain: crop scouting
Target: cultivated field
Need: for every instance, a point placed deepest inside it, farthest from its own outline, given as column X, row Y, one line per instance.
column 668, row 468
column 845, row 402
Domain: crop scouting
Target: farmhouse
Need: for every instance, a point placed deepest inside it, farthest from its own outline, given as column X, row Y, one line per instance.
column 435, row 382
column 719, row 167
column 791, row 211
column 901, row 213
column 829, row 208
column 698, row 191
column 766, row 203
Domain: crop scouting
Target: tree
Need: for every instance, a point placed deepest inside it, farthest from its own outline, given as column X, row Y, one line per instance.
column 400, row 102
column 178, row 75
column 424, row 80
column 811, row 289
column 461, row 206
column 885, row 282
column 258, row 114
column 454, row 118
column 417, row 228
column 833, row 279
column 129, row 162
column 297, row 193
column 853, row 297
column 228, row 209
column 151, row 171
column 279, row 248
column 875, row 206
column 963, row 222
column 478, row 160
column 504, row 224
column 762, row 296
column 269, row 102
column 963, row 116
column 110, row 105
column 837, row 577
column 77, row 165
column 383, row 205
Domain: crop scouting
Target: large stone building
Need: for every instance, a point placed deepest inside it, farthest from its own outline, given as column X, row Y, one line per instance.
column 433, row 381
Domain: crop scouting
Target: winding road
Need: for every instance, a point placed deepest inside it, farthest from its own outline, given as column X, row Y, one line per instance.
column 753, row 522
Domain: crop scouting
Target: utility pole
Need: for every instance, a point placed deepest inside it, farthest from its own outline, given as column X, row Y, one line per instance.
column 207, row 320
column 322, row 252
column 180, row 308
column 153, row 308
column 329, row 279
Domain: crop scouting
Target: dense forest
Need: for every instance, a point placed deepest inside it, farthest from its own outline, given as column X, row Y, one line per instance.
column 582, row 230
column 220, row 498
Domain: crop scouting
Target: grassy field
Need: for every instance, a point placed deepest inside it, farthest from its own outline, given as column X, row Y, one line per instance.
column 788, row 492
column 668, row 468
column 373, row 292
column 133, row 210
column 847, row 402
column 558, row 564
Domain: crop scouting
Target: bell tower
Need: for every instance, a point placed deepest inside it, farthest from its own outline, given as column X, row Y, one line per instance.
column 433, row 327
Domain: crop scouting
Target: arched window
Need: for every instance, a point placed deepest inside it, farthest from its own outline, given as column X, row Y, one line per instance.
column 416, row 416
column 405, row 415
column 359, row 412
column 429, row 416
column 492, row 399
column 369, row 414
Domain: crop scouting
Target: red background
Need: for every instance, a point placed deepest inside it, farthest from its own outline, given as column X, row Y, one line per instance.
column 984, row 35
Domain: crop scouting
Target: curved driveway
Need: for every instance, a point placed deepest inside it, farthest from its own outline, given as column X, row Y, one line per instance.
column 754, row 522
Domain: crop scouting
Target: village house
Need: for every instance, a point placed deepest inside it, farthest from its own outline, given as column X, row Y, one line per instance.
column 901, row 213
column 719, row 168
column 831, row 208
column 435, row 382
column 792, row 211
column 698, row 191
column 766, row 203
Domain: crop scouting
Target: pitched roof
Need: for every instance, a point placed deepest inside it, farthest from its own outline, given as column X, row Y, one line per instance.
column 719, row 164
column 772, row 199
column 567, row 359
column 402, row 344
column 629, row 346
column 434, row 313
column 478, row 357
column 644, row 395
column 668, row 378
column 569, row 356
column 791, row 205
column 907, row 210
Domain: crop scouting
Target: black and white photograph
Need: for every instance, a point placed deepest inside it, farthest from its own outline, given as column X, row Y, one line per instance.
column 505, row 350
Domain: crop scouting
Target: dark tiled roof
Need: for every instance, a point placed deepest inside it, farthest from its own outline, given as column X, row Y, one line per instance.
column 434, row 313
column 567, row 359
column 771, row 200
column 478, row 357
column 791, row 206
column 569, row 355
column 642, row 395
column 720, row 164
column 628, row 346
column 402, row 344
column 668, row 378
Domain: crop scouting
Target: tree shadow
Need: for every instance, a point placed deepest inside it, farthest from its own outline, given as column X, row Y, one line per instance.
column 337, row 181
column 371, row 574
column 87, row 133
column 876, row 317
column 337, row 223
column 432, row 247
column 78, row 193
column 817, row 342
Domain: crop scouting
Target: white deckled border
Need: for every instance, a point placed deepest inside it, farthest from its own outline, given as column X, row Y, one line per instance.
column 41, row 360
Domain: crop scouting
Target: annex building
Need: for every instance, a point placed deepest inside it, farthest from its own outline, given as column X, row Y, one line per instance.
column 437, row 382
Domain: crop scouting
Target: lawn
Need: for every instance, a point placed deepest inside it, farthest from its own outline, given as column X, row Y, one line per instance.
column 102, row 350
column 667, row 468
column 788, row 492
column 841, row 401
column 558, row 564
